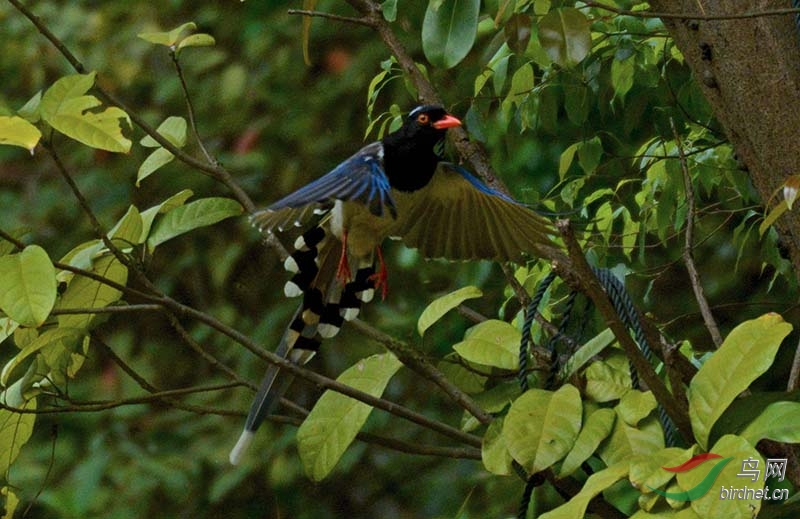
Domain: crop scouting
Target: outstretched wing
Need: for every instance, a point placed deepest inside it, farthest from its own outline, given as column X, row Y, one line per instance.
column 360, row 178
column 457, row 217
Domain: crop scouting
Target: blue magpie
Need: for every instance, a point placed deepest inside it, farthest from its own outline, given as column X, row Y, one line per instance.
column 397, row 187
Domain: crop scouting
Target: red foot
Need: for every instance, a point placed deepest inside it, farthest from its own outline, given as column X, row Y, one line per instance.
column 343, row 272
column 381, row 277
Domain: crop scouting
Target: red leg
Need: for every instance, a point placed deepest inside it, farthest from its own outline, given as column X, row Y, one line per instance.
column 381, row 277
column 343, row 272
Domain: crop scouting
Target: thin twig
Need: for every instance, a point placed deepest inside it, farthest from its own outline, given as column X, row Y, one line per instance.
column 794, row 373
column 422, row 366
column 112, row 309
column 190, row 108
column 688, row 258
column 693, row 16
column 330, row 16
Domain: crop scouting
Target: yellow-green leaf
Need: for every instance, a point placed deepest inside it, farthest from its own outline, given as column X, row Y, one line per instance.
column 160, row 157
column 541, row 426
column 16, row 131
column 494, row 452
column 775, row 213
column 27, row 286
column 173, row 129
column 598, row 426
column 65, row 107
column 746, row 353
column 11, row 501
column 197, row 40
column 51, row 344
column 308, row 5
column 128, row 230
column 335, row 420
column 440, row 306
column 608, row 379
column 83, row 292
column 167, row 38
column 597, row 483
column 635, row 405
column 491, row 343
column 15, row 428
column 148, row 215
column 779, row 422
column 200, row 213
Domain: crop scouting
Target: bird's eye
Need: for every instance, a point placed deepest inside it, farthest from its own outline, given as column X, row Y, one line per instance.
column 423, row 119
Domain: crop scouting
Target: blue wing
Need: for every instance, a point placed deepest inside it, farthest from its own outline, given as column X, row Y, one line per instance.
column 360, row 178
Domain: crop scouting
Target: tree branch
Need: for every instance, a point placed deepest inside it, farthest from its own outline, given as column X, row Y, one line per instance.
column 693, row 16
column 688, row 258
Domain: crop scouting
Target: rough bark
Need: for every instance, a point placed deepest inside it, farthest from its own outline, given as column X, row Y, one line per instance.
column 749, row 70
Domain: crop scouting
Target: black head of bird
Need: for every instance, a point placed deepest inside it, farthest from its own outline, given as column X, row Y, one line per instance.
column 409, row 153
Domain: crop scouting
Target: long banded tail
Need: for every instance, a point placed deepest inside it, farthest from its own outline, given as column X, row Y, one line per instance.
column 325, row 307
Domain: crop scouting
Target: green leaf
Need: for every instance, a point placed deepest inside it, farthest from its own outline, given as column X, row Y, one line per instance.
column 27, row 286
column 389, row 10
column 541, row 426
column 148, row 215
column 449, row 30
column 64, row 107
column 168, row 38
column 626, row 441
column 30, row 110
column 152, row 163
column 50, row 344
column 587, row 352
column 465, row 379
column 128, row 229
column 775, row 213
column 16, row 131
column 197, row 40
column 635, row 405
column 494, row 452
column 491, row 343
column 83, row 292
column 746, row 353
column 173, row 129
column 10, row 502
column 622, row 76
column 609, row 379
column 336, row 419
column 566, row 159
column 7, row 327
column 597, row 483
column 598, row 426
column 646, row 470
column 15, row 428
column 589, row 154
column 440, row 306
column 565, row 36
column 308, row 5
column 779, row 422
column 201, row 213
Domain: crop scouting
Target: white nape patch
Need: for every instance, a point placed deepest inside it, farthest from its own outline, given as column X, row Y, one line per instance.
column 366, row 295
column 299, row 243
column 348, row 314
column 326, row 331
column 291, row 265
column 290, row 289
column 237, row 453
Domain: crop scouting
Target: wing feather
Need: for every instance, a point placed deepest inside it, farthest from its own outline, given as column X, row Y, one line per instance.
column 457, row 217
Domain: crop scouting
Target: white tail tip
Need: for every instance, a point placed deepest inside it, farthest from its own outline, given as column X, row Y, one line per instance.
column 241, row 447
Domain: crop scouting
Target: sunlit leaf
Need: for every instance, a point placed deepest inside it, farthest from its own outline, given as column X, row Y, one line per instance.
column 15, row 428
column 775, row 213
column 597, row 483
column 201, row 213
column 635, row 405
column 494, row 452
column 491, row 343
column 336, row 419
column 160, row 157
column 440, row 306
column 626, row 441
column 587, row 352
column 65, row 107
column 10, row 502
column 564, row 34
column 608, row 379
column 541, row 426
column 746, row 353
column 84, row 292
column 16, row 131
column 52, row 343
column 27, row 286
column 168, row 38
column 597, row 427
column 128, row 230
column 149, row 215
column 196, row 40
column 173, row 129
column 448, row 31
column 779, row 422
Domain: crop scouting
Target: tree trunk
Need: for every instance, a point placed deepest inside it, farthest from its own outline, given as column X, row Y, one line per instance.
column 749, row 71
